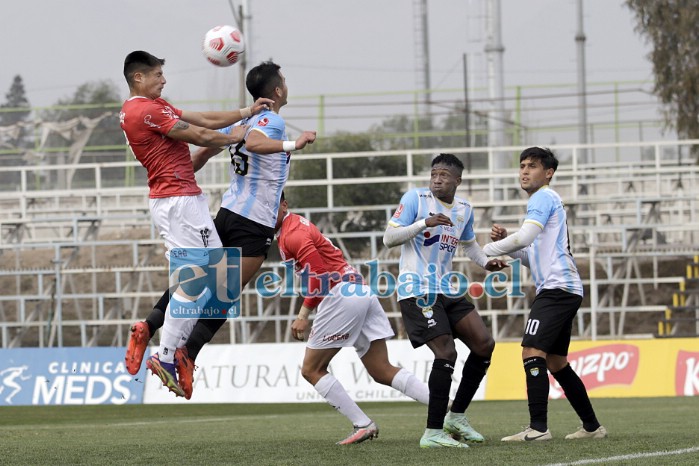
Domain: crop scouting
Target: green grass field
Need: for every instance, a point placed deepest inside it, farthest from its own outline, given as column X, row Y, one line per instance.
column 305, row 434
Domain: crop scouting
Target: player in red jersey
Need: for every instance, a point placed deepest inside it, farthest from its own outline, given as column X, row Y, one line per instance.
column 347, row 314
column 158, row 134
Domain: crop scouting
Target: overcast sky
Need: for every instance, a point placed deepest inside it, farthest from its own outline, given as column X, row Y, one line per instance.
column 324, row 46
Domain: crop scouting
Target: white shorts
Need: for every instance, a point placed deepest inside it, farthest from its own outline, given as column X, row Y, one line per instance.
column 346, row 318
column 184, row 222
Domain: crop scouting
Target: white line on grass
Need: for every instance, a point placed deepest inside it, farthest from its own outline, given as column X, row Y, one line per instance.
column 196, row 420
column 630, row 457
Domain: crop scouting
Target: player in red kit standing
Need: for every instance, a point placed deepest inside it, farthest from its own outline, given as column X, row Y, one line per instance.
column 347, row 314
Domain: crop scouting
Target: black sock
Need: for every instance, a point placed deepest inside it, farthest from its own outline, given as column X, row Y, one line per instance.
column 575, row 391
column 439, row 384
column 537, row 392
column 472, row 375
column 202, row 333
column 156, row 318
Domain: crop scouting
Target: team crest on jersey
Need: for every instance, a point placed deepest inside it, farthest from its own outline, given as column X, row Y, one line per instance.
column 263, row 122
column 399, row 211
column 460, row 219
column 205, row 233
column 534, row 371
column 427, row 312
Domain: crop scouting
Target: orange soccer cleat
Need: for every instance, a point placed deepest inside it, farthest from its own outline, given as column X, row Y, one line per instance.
column 138, row 342
column 185, row 371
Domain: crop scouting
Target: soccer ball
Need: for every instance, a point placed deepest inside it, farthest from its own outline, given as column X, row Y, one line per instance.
column 223, row 45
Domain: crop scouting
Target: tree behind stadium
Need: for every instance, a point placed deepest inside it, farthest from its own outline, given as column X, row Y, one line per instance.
column 672, row 27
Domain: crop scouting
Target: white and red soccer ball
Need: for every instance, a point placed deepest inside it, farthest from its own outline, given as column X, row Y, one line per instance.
column 223, row 45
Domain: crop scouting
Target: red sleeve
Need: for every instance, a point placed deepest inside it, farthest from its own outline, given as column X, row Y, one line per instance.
column 160, row 116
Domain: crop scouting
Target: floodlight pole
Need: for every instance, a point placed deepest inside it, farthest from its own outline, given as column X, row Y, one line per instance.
column 582, row 85
column 494, row 50
column 243, row 22
column 467, row 122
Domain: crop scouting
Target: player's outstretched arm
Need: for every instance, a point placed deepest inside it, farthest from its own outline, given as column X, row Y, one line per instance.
column 396, row 235
column 519, row 240
column 307, row 137
column 474, row 251
column 203, row 137
column 259, row 143
column 218, row 120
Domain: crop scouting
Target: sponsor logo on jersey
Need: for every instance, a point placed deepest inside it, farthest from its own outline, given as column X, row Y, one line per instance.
column 687, row 374
column 146, row 120
column 429, row 241
column 602, row 366
column 448, row 243
column 263, row 122
column 399, row 211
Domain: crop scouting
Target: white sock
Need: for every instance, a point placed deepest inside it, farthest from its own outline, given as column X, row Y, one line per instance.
column 187, row 329
column 174, row 328
column 335, row 394
column 406, row 383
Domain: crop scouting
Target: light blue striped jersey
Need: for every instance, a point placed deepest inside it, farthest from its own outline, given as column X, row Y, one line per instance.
column 427, row 258
column 550, row 260
column 257, row 180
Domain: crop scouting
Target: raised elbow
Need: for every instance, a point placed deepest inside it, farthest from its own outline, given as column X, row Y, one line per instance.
column 387, row 242
column 390, row 240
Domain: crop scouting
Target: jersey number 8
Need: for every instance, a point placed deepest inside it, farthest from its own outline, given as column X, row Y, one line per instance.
column 239, row 159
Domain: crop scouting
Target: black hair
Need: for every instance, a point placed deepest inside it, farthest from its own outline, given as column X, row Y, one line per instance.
column 140, row 62
column 449, row 160
column 263, row 79
column 543, row 155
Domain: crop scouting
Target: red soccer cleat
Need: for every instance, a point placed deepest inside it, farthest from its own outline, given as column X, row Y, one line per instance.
column 138, row 342
column 185, row 371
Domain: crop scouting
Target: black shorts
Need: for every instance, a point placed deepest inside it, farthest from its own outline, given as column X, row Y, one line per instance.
column 236, row 231
column 550, row 322
column 425, row 324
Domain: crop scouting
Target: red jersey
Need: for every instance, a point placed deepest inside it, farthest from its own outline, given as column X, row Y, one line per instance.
column 146, row 123
column 301, row 241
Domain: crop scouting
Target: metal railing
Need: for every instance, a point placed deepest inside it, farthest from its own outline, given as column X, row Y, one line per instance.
column 67, row 278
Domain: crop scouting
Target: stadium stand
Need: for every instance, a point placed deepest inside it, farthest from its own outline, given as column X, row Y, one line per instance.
column 81, row 260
